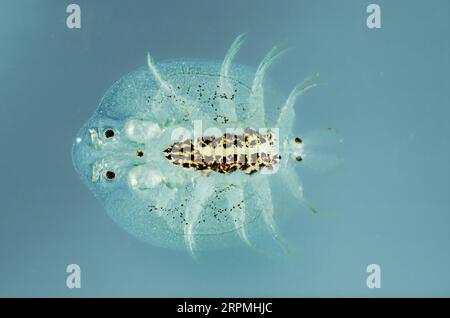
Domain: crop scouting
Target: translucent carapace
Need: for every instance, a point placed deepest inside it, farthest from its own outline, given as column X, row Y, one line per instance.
column 182, row 153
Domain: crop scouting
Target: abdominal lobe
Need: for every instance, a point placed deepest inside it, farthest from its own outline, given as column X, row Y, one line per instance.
column 248, row 152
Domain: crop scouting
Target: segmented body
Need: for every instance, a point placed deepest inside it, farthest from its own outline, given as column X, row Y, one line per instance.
column 248, row 152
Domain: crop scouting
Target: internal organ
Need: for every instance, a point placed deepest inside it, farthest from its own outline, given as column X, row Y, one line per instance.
column 248, row 152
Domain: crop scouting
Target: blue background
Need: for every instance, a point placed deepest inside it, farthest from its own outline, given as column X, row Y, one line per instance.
column 387, row 92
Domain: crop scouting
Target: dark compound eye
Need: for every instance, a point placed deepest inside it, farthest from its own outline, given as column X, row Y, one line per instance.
column 298, row 140
column 110, row 175
column 298, row 158
column 109, row 133
column 139, row 153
